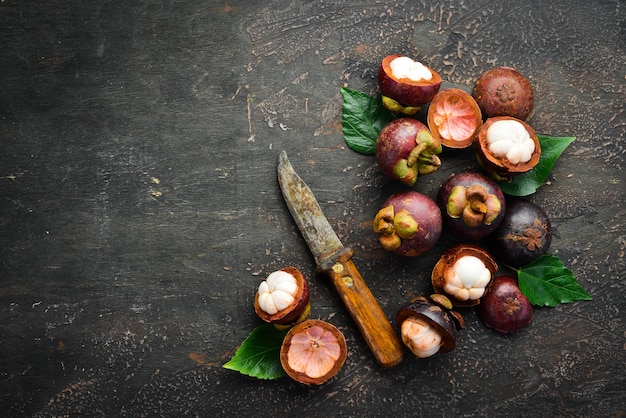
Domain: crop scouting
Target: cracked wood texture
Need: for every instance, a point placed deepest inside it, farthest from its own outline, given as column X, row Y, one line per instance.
column 139, row 206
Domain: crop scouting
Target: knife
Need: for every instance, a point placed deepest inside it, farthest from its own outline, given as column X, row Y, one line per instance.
column 335, row 261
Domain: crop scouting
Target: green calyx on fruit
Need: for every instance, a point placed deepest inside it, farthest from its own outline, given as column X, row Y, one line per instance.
column 396, row 107
column 408, row 223
column 421, row 160
column 394, row 227
column 473, row 204
column 406, row 149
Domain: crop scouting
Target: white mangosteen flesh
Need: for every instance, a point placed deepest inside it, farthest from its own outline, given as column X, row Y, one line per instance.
column 467, row 278
column 421, row 338
column 277, row 292
column 510, row 139
column 405, row 67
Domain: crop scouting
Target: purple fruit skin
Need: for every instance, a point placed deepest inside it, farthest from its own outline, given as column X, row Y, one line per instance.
column 395, row 141
column 426, row 212
column 513, row 241
column 456, row 225
column 494, row 309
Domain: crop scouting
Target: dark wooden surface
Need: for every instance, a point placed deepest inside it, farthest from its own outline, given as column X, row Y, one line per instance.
column 139, row 206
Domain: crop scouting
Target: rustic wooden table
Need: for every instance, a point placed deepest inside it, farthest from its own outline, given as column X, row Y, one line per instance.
column 139, row 206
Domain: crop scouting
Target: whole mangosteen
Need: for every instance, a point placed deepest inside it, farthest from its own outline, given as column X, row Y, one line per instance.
column 504, row 308
column 406, row 149
column 524, row 234
column 504, row 91
column 472, row 205
column 409, row 223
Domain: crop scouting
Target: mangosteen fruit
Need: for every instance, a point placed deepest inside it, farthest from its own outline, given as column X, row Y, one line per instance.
column 454, row 118
column 428, row 325
column 472, row 205
column 504, row 308
column 524, row 234
column 504, row 91
column 463, row 274
column 409, row 223
column 405, row 149
column 406, row 84
column 313, row 352
column 283, row 297
column 506, row 147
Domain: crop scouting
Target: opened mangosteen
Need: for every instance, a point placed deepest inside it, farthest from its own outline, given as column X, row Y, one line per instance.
column 472, row 205
column 428, row 325
column 406, row 84
column 283, row 297
column 463, row 274
column 506, row 147
column 454, row 118
column 524, row 234
column 504, row 91
column 409, row 224
column 405, row 149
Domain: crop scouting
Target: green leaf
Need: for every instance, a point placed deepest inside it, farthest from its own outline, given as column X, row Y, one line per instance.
column 528, row 183
column 547, row 282
column 363, row 118
column 259, row 354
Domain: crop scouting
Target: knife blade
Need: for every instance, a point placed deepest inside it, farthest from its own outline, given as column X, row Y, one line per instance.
column 335, row 261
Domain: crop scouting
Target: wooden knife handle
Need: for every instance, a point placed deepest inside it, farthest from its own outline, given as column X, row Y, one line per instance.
column 363, row 307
